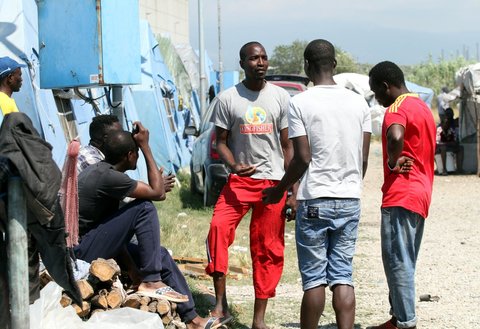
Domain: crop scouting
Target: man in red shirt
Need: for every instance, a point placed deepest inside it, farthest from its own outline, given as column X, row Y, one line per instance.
column 408, row 142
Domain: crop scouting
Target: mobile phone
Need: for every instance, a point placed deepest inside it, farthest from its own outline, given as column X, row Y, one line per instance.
column 135, row 129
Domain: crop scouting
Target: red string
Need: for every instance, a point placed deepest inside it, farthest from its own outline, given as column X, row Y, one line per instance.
column 69, row 193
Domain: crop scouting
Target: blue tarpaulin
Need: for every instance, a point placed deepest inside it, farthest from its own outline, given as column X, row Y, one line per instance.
column 155, row 102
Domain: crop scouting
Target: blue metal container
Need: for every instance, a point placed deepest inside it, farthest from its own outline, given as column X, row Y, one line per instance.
column 88, row 43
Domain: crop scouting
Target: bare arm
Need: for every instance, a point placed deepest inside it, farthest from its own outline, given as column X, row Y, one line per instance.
column 297, row 167
column 155, row 189
column 395, row 138
column 227, row 157
column 365, row 151
column 287, row 149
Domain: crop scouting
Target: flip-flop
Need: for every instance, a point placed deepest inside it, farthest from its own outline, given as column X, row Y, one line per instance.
column 223, row 322
column 162, row 293
column 210, row 323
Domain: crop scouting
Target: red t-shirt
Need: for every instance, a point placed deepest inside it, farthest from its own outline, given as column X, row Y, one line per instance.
column 413, row 190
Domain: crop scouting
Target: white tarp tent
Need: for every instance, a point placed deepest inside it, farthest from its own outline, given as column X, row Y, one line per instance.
column 359, row 84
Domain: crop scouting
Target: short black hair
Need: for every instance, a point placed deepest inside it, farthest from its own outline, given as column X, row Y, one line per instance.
column 100, row 126
column 243, row 50
column 388, row 72
column 117, row 145
column 319, row 52
column 449, row 113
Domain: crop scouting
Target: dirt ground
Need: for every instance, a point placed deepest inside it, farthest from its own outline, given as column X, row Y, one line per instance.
column 448, row 266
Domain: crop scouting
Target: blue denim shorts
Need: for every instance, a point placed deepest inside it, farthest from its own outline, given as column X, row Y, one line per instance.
column 326, row 232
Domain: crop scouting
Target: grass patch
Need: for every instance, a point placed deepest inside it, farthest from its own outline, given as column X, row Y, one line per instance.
column 184, row 225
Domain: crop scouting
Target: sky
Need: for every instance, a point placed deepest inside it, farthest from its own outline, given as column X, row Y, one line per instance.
column 403, row 31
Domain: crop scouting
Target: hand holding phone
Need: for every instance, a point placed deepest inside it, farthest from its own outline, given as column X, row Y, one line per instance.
column 135, row 129
column 169, row 181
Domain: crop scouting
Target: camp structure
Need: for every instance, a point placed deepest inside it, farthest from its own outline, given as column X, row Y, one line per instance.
column 468, row 81
column 165, row 101
column 359, row 84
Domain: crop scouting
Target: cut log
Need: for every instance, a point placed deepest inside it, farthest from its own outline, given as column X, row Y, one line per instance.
column 133, row 301
column 100, row 300
column 86, row 289
column 238, row 269
column 145, row 300
column 163, row 306
column 115, row 298
column 143, row 308
column 180, row 259
column 65, row 300
column 152, row 307
column 45, row 278
column 105, row 269
column 83, row 310
column 167, row 318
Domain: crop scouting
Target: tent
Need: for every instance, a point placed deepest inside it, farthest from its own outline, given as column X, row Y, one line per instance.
column 468, row 81
column 19, row 36
column 359, row 84
column 61, row 115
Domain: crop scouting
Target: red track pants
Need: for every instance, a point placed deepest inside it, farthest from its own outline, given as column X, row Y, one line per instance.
column 267, row 226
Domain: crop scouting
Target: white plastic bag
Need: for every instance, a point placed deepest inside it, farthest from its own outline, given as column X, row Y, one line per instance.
column 47, row 313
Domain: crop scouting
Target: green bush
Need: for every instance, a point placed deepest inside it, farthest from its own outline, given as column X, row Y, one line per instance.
column 435, row 75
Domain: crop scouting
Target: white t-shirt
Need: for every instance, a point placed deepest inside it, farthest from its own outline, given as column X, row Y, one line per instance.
column 444, row 100
column 254, row 120
column 334, row 120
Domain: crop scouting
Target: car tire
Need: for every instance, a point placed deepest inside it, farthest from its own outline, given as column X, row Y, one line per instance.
column 193, row 184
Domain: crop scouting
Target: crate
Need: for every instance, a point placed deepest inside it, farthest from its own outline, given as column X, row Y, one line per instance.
column 89, row 43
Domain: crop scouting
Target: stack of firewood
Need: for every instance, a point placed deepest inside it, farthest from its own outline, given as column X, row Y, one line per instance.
column 103, row 290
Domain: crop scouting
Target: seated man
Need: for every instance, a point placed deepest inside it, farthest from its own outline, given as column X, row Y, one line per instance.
column 447, row 141
column 99, row 128
column 106, row 230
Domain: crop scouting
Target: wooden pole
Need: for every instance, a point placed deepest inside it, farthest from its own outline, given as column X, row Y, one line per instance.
column 17, row 251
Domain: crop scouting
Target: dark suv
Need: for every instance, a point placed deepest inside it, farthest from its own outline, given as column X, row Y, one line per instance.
column 208, row 173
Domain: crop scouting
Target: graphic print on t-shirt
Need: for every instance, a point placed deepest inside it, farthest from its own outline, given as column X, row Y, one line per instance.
column 256, row 117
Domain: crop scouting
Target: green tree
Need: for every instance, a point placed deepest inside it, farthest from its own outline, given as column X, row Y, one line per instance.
column 288, row 59
column 435, row 75
column 345, row 62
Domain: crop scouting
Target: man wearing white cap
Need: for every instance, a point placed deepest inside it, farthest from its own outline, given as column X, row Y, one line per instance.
column 10, row 82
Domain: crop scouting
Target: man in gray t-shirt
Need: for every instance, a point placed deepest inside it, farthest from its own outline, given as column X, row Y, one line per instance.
column 252, row 140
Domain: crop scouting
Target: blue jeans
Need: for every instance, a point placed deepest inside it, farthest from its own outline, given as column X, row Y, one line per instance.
column 326, row 232
column 401, row 234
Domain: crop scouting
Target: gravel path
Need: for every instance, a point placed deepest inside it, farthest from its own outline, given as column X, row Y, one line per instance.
column 448, row 266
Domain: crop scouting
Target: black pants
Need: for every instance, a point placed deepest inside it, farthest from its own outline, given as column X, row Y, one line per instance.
column 138, row 218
